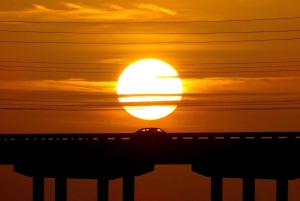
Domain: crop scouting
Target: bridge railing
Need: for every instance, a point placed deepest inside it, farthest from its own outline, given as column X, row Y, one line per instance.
column 169, row 136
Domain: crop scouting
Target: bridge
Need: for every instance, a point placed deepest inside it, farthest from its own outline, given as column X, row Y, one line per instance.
column 246, row 155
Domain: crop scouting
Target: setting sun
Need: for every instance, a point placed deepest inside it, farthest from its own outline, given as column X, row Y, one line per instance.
column 148, row 81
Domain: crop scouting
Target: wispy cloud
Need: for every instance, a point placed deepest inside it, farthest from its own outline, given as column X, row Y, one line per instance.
column 113, row 6
column 73, row 6
column 72, row 85
column 39, row 7
column 72, row 11
column 155, row 8
column 242, row 85
column 200, row 86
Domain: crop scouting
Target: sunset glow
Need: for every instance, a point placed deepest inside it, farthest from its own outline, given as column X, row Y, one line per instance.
column 116, row 67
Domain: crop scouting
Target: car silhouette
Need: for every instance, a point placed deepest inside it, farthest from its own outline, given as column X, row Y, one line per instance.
column 150, row 130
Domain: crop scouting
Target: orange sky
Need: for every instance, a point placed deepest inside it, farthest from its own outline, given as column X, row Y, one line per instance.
column 228, row 86
column 237, row 85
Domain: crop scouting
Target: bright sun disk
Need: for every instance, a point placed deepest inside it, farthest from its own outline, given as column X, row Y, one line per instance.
column 149, row 80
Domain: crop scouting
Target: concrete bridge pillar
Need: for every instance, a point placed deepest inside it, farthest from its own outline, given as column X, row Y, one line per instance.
column 282, row 189
column 128, row 188
column 216, row 188
column 38, row 188
column 60, row 189
column 102, row 189
column 248, row 189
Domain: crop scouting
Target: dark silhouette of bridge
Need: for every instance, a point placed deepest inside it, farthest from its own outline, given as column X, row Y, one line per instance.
column 264, row 155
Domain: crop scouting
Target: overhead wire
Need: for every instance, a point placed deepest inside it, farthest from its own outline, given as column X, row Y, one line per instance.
column 96, row 63
column 189, row 103
column 148, row 33
column 148, row 43
column 289, row 103
column 178, row 109
column 178, row 102
column 120, row 68
column 107, row 72
column 150, row 22
column 97, row 94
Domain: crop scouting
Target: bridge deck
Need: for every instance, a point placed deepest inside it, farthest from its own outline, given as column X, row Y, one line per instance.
column 228, row 154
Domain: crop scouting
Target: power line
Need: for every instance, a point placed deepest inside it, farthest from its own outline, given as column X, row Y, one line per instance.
column 48, row 101
column 106, row 72
column 182, row 102
column 238, row 67
column 149, row 43
column 95, row 63
column 149, row 33
column 68, row 94
column 117, row 104
column 148, row 103
column 185, row 104
column 49, row 71
column 120, row 68
column 150, row 22
column 65, row 63
column 265, row 71
column 55, row 67
column 180, row 109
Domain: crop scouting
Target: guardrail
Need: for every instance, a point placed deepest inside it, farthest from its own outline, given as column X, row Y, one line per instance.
column 168, row 137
